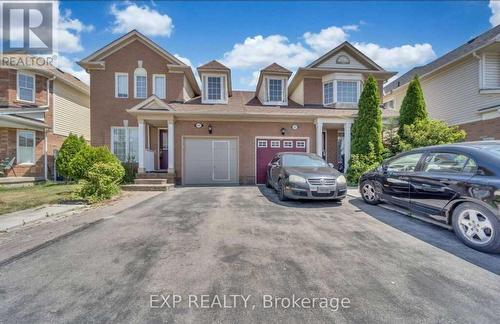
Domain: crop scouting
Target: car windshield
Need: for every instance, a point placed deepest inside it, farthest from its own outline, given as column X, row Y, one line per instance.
column 291, row 160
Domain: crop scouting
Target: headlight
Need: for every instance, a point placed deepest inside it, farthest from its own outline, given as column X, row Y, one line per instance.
column 296, row 179
column 340, row 180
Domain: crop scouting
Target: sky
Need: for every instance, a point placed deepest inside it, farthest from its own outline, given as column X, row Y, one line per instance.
column 249, row 35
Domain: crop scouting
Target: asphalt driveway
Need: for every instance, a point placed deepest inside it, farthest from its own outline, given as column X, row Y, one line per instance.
column 242, row 241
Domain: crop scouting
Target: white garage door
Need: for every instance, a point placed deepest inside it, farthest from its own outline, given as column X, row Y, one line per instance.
column 210, row 161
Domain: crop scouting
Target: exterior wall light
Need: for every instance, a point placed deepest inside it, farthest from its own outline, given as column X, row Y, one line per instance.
column 283, row 130
column 209, row 128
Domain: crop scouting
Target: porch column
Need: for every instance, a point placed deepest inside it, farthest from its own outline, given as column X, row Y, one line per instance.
column 171, row 148
column 141, row 131
column 319, row 138
column 347, row 144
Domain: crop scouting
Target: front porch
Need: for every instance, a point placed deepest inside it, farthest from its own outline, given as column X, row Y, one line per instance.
column 156, row 146
column 333, row 141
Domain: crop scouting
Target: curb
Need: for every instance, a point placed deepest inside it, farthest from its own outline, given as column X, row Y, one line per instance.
column 47, row 243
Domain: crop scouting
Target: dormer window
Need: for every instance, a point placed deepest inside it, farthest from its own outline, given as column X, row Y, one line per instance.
column 214, row 88
column 275, row 91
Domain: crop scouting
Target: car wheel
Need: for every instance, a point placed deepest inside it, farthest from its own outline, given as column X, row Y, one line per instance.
column 477, row 227
column 281, row 190
column 368, row 193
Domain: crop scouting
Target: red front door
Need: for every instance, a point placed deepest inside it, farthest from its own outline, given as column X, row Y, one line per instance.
column 268, row 147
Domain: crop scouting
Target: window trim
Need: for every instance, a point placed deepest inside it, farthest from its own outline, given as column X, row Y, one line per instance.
column 140, row 72
column 118, row 74
column 28, row 74
column 284, row 99
column 300, row 144
column 275, row 144
column 223, row 89
column 154, row 76
column 127, row 137
column 333, row 94
column 17, row 147
column 287, row 144
column 358, row 94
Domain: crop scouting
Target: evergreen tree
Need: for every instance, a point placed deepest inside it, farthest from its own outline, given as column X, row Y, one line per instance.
column 69, row 149
column 367, row 127
column 413, row 107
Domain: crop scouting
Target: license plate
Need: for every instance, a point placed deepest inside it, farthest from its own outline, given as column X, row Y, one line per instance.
column 323, row 190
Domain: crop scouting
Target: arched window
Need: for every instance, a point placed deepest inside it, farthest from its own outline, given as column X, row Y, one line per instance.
column 141, row 82
column 343, row 59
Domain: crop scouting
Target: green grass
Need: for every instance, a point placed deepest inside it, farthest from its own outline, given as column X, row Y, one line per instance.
column 14, row 199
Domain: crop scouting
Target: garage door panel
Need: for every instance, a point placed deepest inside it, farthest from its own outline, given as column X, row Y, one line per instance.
column 267, row 148
column 210, row 161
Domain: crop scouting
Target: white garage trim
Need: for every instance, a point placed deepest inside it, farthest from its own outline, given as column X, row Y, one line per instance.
column 183, row 153
column 307, row 139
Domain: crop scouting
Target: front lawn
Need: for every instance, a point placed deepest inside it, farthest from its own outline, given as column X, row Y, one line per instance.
column 14, row 199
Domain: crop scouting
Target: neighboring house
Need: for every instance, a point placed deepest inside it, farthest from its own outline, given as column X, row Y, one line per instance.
column 146, row 106
column 39, row 107
column 461, row 88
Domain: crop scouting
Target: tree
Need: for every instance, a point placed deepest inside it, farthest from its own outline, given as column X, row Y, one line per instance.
column 87, row 157
column 69, row 149
column 413, row 107
column 367, row 128
column 429, row 132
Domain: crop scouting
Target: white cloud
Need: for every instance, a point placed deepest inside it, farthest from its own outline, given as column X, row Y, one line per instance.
column 143, row 18
column 399, row 57
column 68, row 32
column 184, row 60
column 495, row 12
column 259, row 51
column 68, row 65
column 328, row 38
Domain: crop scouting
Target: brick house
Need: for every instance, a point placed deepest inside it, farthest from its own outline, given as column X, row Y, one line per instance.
column 147, row 106
column 461, row 87
column 39, row 107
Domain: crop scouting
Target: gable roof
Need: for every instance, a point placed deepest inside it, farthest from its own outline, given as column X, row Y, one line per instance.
column 474, row 44
column 213, row 65
column 151, row 103
column 122, row 42
column 349, row 48
column 95, row 60
column 274, row 67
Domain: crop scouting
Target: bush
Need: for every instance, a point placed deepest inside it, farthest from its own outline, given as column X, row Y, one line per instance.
column 87, row 157
column 413, row 107
column 102, row 181
column 429, row 132
column 361, row 163
column 367, row 128
column 69, row 149
column 130, row 171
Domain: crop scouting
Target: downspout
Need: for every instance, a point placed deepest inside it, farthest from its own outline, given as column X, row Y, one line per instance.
column 45, row 159
column 481, row 71
column 48, row 92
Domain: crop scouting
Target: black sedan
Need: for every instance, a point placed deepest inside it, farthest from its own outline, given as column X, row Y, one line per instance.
column 304, row 176
column 456, row 185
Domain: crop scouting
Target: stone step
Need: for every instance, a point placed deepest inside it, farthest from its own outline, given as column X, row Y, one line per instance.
column 148, row 187
column 150, row 181
column 155, row 175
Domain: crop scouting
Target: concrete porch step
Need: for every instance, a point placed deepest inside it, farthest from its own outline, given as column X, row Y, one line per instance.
column 148, row 187
column 150, row 181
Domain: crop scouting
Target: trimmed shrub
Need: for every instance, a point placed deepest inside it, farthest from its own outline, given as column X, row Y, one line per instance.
column 429, row 132
column 102, row 181
column 361, row 163
column 367, row 128
column 69, row 149
column 413, row 106
column 87, row 157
